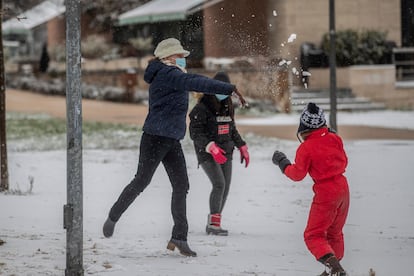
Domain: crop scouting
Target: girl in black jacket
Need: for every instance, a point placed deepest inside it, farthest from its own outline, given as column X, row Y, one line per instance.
column 214, row 133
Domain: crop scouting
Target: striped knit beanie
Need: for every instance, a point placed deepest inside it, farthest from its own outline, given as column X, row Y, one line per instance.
column 311, row 118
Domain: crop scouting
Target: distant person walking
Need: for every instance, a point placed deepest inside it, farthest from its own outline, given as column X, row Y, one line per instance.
column 44, row 59
column 213, row 129
column 322, row 155
column 164, row 127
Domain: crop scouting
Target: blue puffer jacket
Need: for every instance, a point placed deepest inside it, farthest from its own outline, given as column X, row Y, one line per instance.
column 168, row 97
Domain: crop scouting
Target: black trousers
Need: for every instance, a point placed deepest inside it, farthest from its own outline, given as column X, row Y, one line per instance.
column 220, row 178
column 153, row 150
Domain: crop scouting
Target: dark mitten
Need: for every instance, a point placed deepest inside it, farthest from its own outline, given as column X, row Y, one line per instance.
column 277, row 157
column 280, row 159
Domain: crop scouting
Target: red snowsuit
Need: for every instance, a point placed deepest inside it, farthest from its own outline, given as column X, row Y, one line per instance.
column 322, row 156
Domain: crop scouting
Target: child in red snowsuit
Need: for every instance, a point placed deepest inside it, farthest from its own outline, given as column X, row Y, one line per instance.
column 321, row 154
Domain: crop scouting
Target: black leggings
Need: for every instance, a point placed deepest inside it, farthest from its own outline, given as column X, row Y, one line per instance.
column 220, row 178
column 153, row 150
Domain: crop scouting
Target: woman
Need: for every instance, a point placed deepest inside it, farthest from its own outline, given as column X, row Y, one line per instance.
column 163, row 129
column 214, row 132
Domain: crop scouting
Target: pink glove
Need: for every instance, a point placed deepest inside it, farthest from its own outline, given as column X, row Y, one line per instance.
column 217, row 153
column 244, row 155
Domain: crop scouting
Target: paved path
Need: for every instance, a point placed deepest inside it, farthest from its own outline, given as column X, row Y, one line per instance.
column 103, row 111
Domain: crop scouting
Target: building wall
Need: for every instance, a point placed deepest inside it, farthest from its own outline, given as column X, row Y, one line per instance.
column 375, row 82
column 56, row 31
column 236, row 28
column 267, row 24
column 277, row 19
column 309, row 20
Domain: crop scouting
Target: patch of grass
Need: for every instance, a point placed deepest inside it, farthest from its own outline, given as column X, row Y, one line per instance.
column 44, row 132
column 21, row 127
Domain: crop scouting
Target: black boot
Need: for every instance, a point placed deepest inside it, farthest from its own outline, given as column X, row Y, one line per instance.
column 182, row 247
column 108, row 228
column 336, row 269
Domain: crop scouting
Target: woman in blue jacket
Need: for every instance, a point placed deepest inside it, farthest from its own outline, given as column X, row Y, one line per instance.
column 163, row 129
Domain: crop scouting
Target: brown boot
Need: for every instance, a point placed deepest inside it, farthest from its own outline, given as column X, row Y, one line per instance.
column 182, row 246
column 336, row 269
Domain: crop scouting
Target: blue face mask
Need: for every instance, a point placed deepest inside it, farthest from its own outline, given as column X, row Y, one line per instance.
column 180, row 62
column 221, row 97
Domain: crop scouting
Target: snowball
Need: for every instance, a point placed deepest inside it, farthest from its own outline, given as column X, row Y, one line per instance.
column 282, row 62
column 291, row 38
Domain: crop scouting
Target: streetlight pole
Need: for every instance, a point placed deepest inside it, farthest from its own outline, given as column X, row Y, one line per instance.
column 73, row 210
column 332, row 65
column 4, row 172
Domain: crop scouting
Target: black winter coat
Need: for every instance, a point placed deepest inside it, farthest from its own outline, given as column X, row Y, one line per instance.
column 168, row 97
column 210, row 121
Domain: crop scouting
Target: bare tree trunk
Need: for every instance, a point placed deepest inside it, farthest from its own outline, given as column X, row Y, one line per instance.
column 4, row 175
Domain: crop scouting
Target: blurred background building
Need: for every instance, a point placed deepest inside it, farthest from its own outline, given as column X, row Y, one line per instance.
column 225, row 34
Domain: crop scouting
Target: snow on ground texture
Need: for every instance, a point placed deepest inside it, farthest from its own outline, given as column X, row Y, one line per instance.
column 266, row 214
column 388, row 119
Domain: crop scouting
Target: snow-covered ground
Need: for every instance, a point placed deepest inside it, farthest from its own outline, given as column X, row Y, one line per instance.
column 388, row 119
column 265, row 214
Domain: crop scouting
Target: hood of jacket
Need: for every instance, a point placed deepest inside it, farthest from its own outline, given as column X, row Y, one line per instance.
column 153, row 68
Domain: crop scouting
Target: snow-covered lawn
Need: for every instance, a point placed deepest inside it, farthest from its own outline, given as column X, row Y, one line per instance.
column 387, row 118
column 266, row 214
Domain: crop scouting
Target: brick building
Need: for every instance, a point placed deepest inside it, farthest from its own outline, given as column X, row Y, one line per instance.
column 231, row 28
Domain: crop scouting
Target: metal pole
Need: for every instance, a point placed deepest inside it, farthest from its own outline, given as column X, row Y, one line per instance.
column 73, row 210
column 4, row 172
column 332, row 65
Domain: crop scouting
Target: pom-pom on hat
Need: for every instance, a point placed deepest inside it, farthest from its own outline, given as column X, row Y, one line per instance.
column 169, row 47
column 311, row 118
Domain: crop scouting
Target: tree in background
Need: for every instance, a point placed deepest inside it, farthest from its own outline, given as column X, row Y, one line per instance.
column 360, row 47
